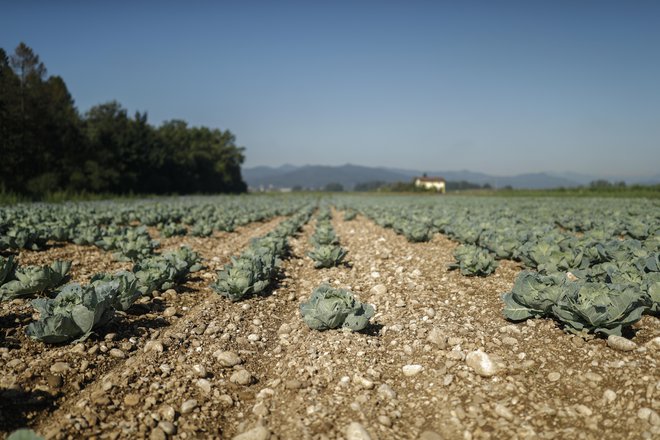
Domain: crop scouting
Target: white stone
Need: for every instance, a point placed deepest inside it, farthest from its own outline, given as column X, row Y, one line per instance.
column 481, row 363
column 412, row 370
column 227, row 358
column 356, row 431
column 620, row 343
column 257, row 433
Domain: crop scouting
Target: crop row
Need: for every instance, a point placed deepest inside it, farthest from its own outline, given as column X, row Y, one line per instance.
column 594, row 263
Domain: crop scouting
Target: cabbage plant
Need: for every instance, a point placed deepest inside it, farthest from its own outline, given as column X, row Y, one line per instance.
column 324, row 235
column 30, row 280
column 73, row 313
column 127, row 288
column 598, row 307
column 473, row 260
column 533, row 295
column 330, row 308
column 328, row 255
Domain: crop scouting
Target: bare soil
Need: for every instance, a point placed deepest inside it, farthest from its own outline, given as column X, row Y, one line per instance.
column 162, row 369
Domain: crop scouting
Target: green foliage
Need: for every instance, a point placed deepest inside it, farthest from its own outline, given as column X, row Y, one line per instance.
column 48, row 147
column 126, row 284
column 599, row 307
column 416, row 232
column 330, row 308
column 473, row 261
column 30, row 280
column 24, row 434
column 533, row 296
column 172, row 229
column 324, row 235
column 7, row 266
column 326, row 252
column 73, row 313
column 349, row 215
column 651, row 285
column 130, row 244
column 254, row 270
column 582, row 306
column 327, row 255
column 245, row 276
column 161, row 272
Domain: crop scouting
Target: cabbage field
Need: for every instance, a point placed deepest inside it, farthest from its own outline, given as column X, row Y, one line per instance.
column 334, row 317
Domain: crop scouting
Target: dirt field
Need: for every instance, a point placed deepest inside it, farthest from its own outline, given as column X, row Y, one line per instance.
column 191, row 364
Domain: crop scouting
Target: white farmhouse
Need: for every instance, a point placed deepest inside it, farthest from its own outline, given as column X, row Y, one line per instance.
column 437, row 183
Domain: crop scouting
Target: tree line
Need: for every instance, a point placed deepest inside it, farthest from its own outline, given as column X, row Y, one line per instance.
column 46, row 145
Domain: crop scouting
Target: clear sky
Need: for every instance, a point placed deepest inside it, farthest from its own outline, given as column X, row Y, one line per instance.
column 500, row 87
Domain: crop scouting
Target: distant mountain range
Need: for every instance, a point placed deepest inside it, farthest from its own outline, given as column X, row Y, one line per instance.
column 317, row 176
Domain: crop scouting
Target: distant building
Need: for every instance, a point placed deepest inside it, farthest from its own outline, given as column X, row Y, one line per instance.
column 437, row 183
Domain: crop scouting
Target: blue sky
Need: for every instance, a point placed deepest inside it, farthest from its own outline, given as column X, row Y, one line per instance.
column 495, row 86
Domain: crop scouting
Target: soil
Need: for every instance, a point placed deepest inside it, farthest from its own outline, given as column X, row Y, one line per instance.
column 187, row 363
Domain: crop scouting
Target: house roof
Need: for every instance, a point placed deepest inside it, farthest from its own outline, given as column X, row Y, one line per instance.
column 430, row 179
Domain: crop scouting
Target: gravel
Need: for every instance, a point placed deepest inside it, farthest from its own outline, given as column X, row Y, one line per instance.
column 482, row 377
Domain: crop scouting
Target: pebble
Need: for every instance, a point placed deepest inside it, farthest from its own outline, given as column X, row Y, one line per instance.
column 584, row 410
column 554, row 376
column 199, row 370
column 437, row 337
column 363, row 382
column 503, row 412
column 253, row 337
column 453, row 341
column 156, row 346
column 227, row 358
column 609, row 396
column 204, row 385
column 378, row 289
column 284, row 329
column 430, row 435
column 385, row 391
column 60, row 367
column 481, row 363
column 654, row 344
column 169, row 312
column 260, row 410
column 257, row 433
column 385, row 421
column 241, row 377
column 355, row 431
column 292, row 384
column 430, row 312
column 594, row 377
column 412, row 370
column 644, row 413
column 54, row 380
column 167, row 427
column 620, row 343
column 157, row 434
column 132, row 399
column 167, row 412
column 117, row 353
column 188, row 406
column 508, row 340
